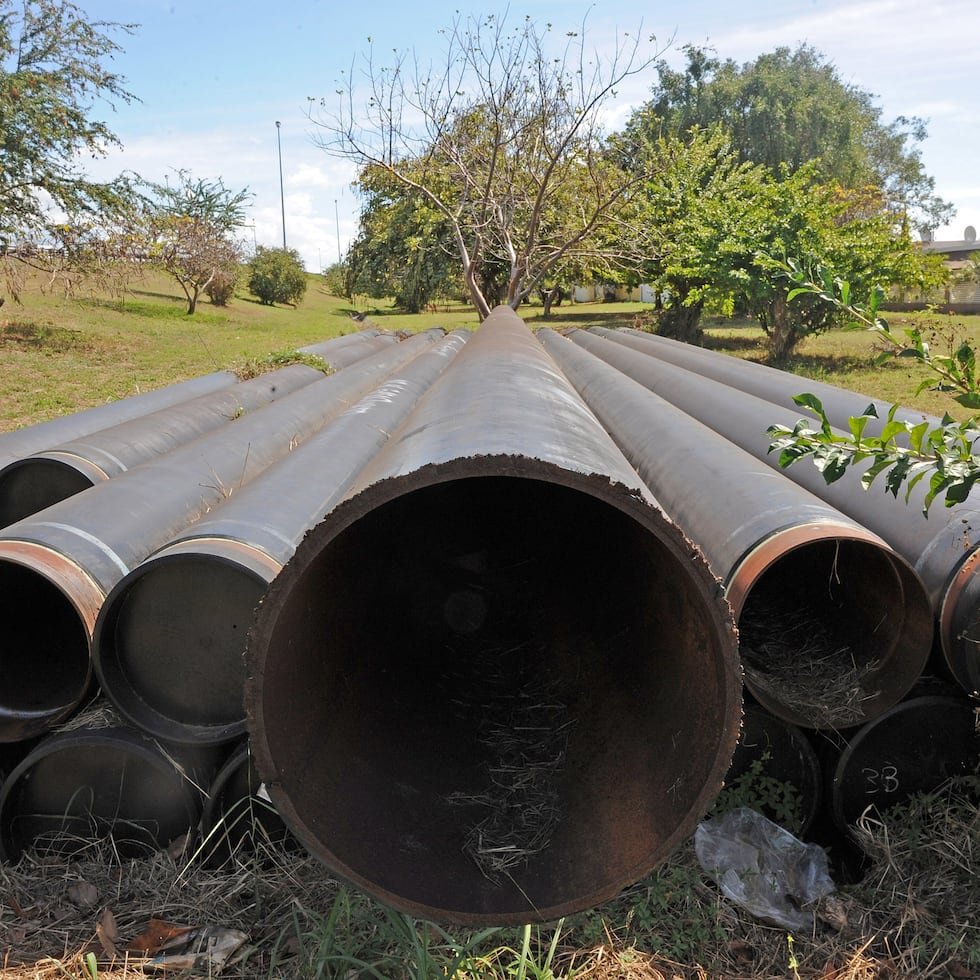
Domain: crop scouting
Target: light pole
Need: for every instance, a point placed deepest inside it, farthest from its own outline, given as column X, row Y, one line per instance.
column 282, row 195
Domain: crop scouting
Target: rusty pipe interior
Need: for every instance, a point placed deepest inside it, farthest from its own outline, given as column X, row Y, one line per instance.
column 490, row 699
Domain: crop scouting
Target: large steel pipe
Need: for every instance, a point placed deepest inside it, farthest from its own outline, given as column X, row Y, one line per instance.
column 942, row 549
column 44, row 435
column 770, row 383
column 169, row 642
column 824, row 656
column 100, row 782
column 57, row 566
column 495, row 684
column 34, row 438
column 45, row 478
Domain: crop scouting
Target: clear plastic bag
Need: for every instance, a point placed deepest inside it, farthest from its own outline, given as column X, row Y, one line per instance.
column 763, row 868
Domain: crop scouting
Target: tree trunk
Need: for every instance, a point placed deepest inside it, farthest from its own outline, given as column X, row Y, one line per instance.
column 782, row 335
column 681, row 322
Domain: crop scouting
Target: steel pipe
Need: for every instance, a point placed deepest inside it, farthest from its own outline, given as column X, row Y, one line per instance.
column 169, row 642
column 770, row 383
column 942, row 549
column 35, row 438
column 495, row 684
column 770, row 541
column 45, row 478
column 107, row 783
column 782, row 755
column 238, row 818
column 57, row 566
column 914, row 748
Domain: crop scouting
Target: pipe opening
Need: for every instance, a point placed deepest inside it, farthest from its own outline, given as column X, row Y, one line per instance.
column 819, row 631
column 82, row 787
column 169, row 646
column 30, row 485
column 490, row 698
column 44, row 659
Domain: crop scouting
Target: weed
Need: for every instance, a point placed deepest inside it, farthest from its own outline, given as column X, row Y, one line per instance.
column 367, row 939
column 673, row 912
column 755, row 788
column 253, row 366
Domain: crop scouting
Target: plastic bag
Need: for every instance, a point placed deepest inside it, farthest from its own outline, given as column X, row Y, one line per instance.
column 763, row 868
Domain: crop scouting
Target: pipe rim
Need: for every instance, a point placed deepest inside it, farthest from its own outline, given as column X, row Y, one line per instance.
column 631, row 506
column 200, row 580
column 76, row 594
column 904, row 659
column 959, row 617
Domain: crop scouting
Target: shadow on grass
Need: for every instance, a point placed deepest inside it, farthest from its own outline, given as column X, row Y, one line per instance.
column 39, row 336
column 593, row 318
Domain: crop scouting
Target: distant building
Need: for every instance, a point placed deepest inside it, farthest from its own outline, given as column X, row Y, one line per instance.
column 963, row 295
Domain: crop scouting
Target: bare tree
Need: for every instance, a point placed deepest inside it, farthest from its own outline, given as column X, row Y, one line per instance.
column 505, row 139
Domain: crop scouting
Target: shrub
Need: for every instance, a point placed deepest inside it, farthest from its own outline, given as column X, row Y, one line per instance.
column 277, row 275
column 222, row 287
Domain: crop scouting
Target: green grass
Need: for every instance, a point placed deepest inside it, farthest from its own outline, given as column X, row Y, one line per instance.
column 59, row 355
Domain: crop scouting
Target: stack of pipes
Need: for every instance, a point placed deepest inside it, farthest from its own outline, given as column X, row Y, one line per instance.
column 466, row 618
column 834, row 695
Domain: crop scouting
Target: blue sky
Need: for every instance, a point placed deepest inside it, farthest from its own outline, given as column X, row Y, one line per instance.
column 214, row 76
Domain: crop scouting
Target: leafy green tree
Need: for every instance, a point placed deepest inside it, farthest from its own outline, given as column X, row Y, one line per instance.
column 695, row 219
column 277, row 275
column 189, row 229
column 709, row 222
column 788, row 108
column 504, row 141
column 404, row 247
column 818, row 221
column 53, row 72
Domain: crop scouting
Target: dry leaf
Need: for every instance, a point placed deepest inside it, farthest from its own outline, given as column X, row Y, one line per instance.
column 83, row 894
column 108, row 933
column 207, row 949
column 157, row 936
column 178, row 848
column 741, row 952
column 833, row 912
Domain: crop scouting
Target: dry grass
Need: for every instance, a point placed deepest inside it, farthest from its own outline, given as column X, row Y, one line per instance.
column 55, row 911
column 523, row 729
column 796, row 660
column 915, row 914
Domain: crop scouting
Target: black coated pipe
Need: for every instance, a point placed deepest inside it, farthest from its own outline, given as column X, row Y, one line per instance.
column 495, row 684
column 770, row 383
column 942, row 549
column 770, row 542
column 914, row 748
column 93, row 784
column 169, row 642
column 238, row 819
column 775, row 753
column 36, row 438
column 57, row 566
column 45, row 478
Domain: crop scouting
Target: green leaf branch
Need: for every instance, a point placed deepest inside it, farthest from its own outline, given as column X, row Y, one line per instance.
column 904, row 452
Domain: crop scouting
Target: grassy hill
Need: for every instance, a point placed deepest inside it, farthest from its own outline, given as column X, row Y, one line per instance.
column 60, row 354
